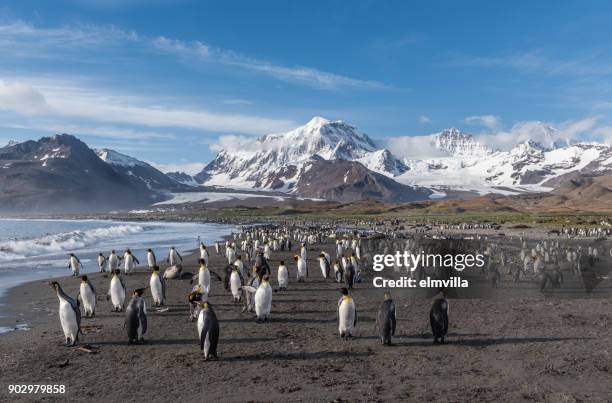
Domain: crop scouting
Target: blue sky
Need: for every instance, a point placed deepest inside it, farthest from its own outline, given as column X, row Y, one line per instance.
column 163, row 80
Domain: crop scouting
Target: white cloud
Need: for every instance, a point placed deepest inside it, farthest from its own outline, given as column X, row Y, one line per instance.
column 489, row 121
column 26, row 40
column 546, row 133
column 21, row 98
column 191, row 168
column 233, row 143
column 297, row 74
column 22, row 39
column 424, row 119
column 413, row 147
column 66, row 102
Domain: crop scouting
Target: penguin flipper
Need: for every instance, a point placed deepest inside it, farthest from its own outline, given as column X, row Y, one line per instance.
column 142, row 316
column 249, row 288
column 203, row 337
column 393, row 319
column 355, row 322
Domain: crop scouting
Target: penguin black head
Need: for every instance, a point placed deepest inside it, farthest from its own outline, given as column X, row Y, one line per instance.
column 139, row 292
column 55, row 285
column 238, row 257
column 129, row 252
column 282, row 262
column 202, row 261
column 84, row 278
column 113, row 251
column 155, row 268
column 266, row 278
column 172, row 247
column 344, row 291
column 101, row 254
column 149, row 250
column 296, row 257
column 321, row 255
column 71, row 254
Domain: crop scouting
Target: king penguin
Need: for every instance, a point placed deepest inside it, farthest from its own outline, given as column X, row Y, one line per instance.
column 208, row 331
column 302, row 268
column 151, row 259
column 283, row 276
column 136, row 317
column 386, row 320
column 130, row 262
column 204, row 276
column 74, row 264
column 324, row 264
column 101, row 262
column 174, row 257
column 263, row 298
column 235, row 283
column 347, row 314
column 88, row 296
column 113, row 261
column 158, row 287
column 116, row 291
column 349, row 276
column 69, row 313
column 438, row 318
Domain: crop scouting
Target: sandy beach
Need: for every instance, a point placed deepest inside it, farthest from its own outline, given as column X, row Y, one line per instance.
column 522, row 347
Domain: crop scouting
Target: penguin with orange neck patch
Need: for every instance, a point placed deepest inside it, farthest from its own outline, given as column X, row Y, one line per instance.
column 208, row 331
column 347, row 314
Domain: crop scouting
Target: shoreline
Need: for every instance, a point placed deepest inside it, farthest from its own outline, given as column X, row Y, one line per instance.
column 6, row 319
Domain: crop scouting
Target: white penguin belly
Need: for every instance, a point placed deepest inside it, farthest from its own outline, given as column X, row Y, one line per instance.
column 283, row 277
column 263, row 301
column 156, row 289
column 88, row 298
column 129, row 264
column 204, row 280
column 302, row 268
column 235, row 284
column 200, row 322
column 346, row 315
column 117, row 293
column 68, row 320
column 322, row 264
column 150, row 260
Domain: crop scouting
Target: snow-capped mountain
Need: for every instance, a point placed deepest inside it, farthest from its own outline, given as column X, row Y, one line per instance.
column 61, row 174
column 461, row 162
column 140, row 171
column 529, row 166
column 454, row 142
column 273, row 161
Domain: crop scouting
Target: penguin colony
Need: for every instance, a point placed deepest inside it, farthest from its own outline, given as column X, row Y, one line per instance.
column 247, row 278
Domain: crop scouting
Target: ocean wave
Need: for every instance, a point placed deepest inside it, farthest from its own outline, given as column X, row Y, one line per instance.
column 61, row 242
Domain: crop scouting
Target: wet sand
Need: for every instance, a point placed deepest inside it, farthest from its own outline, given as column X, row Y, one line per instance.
column 523, row 347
